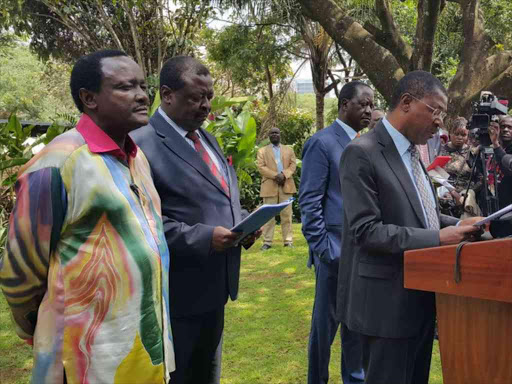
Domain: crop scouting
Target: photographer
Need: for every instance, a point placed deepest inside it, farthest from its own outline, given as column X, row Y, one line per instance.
column 501, row 139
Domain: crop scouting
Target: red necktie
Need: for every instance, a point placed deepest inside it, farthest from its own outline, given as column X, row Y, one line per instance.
column 207, row 159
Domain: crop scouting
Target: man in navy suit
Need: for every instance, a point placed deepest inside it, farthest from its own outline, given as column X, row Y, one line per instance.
column 200, row 202
column 321, row 207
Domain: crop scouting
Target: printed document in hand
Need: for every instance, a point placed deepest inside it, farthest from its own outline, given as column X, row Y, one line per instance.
column 494, row 216
column 258, row 218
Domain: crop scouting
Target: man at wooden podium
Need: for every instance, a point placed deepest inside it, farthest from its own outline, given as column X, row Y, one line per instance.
column 390, row 206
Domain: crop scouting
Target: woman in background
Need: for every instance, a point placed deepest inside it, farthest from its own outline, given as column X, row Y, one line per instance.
column 459, row 169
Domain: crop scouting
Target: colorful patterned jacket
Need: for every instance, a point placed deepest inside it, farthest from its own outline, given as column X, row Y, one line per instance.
column 85, row 270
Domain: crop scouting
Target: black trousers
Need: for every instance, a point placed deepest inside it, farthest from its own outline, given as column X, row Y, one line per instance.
column 399, row 361
column 198, row 348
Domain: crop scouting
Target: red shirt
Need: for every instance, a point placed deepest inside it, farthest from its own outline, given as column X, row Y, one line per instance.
column 99, row 142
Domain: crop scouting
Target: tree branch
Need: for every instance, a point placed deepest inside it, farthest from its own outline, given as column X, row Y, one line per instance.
column 428, row 15
column 390, row 37
column 385, row 72
column 70, row 23
column 108, row 24
column 335, row 82
column 477, row 69
column 133, row 29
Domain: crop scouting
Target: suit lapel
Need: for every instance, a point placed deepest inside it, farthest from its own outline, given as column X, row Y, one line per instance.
column 341, row 136
column 177, row 144
column 213, row 143
column 269, row 155
column 396, row 164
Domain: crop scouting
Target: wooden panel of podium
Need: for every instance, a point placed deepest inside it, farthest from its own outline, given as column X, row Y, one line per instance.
column 474, row 316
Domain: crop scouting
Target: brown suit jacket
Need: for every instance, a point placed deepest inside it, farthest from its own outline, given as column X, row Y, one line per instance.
column 267, row 166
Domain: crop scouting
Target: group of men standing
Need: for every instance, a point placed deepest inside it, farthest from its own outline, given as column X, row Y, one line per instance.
column 119, row 262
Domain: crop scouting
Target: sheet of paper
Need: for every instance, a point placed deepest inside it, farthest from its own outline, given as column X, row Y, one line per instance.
column 444, row 183
column 494, row 216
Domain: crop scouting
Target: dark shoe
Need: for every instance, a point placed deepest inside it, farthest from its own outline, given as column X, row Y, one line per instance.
column 264, row 247
column 289, row 245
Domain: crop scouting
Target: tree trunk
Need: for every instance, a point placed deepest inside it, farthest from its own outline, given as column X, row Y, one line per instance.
column 269, row 83
column 319, row 99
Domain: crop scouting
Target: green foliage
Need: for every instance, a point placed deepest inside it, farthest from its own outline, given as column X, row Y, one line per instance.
column 36, row 90
column 296, row 127
column 246, row 53
column 16, row 149
column 12, row 140
column 235, row 130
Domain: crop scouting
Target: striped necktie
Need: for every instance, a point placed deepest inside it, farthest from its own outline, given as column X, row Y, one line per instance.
column 428, row 204
column 201, row 150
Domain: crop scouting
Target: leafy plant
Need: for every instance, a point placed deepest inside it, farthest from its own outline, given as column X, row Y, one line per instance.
column 16, row 149
column 235, row 129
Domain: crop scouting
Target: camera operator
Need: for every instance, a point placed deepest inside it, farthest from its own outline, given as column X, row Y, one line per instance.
column 502, row 132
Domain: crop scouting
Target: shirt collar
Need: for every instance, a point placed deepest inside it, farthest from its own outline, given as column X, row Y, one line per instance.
column 99, row 142
column 278, row 146
column 176, row 127
column 402, row 144
column 348, row 129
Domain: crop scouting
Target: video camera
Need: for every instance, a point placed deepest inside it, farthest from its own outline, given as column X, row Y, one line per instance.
column 487, row 109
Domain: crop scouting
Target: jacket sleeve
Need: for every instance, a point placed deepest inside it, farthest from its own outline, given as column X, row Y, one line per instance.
column 290, row 170
column 313, row 186
column 446, row 220
column 34, row 230
column 363, row 216
column 194, row 241
column 262, row 166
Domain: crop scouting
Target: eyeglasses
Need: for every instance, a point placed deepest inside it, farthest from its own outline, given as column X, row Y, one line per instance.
column 436, row 112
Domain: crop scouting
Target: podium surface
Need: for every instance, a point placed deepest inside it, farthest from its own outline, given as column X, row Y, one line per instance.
column 474, row 316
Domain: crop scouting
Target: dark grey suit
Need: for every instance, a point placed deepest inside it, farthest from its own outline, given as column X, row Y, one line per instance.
column 201, row 279
column 383, row 218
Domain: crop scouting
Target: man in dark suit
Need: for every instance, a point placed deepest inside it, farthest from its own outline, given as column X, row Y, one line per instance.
column 503, row 158
column 200, row 202
column 322, row 214
column 390, row 207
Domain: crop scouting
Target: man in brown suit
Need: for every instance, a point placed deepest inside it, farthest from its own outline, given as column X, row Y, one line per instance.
column 276, row 164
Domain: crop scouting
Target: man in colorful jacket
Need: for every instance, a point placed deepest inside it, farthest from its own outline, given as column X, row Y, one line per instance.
column 85, row 270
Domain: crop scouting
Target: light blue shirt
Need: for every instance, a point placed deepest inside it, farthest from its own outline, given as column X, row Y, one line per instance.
column 348, row 129
column 402, row 145
column 183, row 133
column 277, row 156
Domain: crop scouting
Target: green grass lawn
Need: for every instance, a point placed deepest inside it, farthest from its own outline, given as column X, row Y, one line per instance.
column 266, row 331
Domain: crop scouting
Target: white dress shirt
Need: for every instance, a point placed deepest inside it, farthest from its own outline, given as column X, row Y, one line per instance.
column 348, row 129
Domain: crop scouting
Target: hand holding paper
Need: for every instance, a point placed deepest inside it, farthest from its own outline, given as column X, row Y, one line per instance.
column 494, row 216
column 258, row 218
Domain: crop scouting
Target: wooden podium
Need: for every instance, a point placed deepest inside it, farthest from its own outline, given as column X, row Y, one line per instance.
column 474, row 317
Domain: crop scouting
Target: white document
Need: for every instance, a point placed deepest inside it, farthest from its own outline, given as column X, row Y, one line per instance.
column 444, row 183
column 494, row 216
